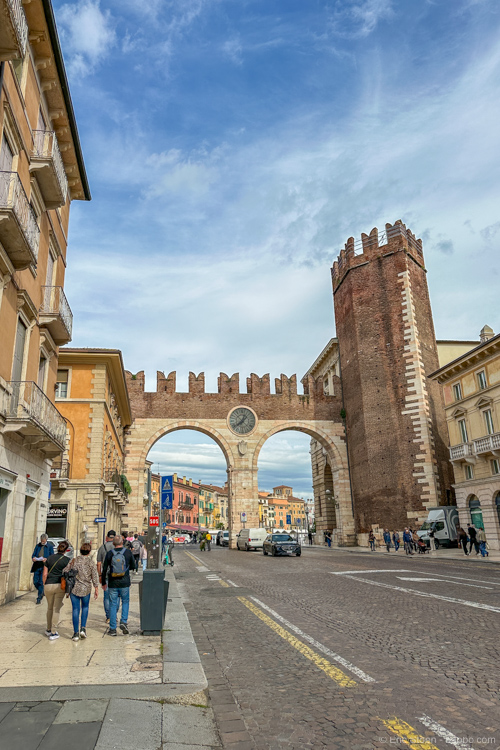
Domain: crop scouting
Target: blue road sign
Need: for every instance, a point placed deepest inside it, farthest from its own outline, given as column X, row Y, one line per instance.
column 289, row 519
column 167, row 492
column 298, row 521
column 100, row 520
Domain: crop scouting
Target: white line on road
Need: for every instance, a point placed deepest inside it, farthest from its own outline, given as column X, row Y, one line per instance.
column 232, row 584
column 444, row 733
column 426, row 595
column 351, row 572
column 201, row 569
column 443, row 580
column 355, row 670
column 459, row 578
column 213, row 577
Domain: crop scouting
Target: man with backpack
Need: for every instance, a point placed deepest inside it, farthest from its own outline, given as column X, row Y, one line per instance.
column 116, row 575
column 101, row 554
column 137, row 550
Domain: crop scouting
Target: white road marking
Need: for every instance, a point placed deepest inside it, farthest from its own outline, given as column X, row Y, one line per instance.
column 319, row 646
column 232, row 584
column 202, row 569
column 459, row 578
column 427, row 595
column 196, row 558
column 352, row 572
column 213, row 577
column 443, row 580
column 444, row 733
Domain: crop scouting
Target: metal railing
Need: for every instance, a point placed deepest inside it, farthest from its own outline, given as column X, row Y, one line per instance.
column 55, row 303
column 20, row 24
column 12, row 196
column 112, row 476
column 461, row 451
column 488, row 443
column 45, row 146
column 60, row 469
column 28, row 402
column 185, row 505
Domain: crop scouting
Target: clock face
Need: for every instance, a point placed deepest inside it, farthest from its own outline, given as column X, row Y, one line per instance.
column 242, row 421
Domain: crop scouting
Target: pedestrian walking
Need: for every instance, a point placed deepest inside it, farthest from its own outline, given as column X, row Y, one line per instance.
column 116, row 575
column 43, row 550
column 208, row 539
column 472, row 531
column 408, row 541
column 86, row 578
column 371, row 541
column 395, row 539
column 416, row 539
column 387, row 539
column 310, row 537
column 202, row 543
column 54, row 593
column 170, row 547
column 329, row 538
column 481, row 540
column 462, row 539
column 136, row 550
column 101, row 554
column 144, row 558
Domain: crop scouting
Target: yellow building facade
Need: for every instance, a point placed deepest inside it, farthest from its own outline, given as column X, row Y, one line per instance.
column 471, row 389
column 41, row 172
column 88, row 482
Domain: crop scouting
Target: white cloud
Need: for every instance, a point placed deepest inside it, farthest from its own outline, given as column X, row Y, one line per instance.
column 359, row 18
column 233, row 49
column 88, row 35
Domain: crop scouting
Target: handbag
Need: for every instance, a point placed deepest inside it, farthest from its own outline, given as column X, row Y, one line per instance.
column 69, row 579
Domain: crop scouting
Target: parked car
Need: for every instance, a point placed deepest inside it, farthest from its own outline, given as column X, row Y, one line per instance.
column 281, row 544
column 54, row 540
column 249, row 539
column 223, row 538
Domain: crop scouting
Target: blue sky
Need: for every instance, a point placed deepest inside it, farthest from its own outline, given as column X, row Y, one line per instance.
column 232, row 146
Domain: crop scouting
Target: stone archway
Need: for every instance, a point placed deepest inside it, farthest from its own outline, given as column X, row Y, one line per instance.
column 155, row 414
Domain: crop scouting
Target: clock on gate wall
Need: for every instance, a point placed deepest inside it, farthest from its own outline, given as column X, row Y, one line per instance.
column 242, row 420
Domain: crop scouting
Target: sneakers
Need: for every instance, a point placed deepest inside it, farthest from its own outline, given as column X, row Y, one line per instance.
column 83, row 632
column 111, row 632
column 124, row 628
column 48, row 632
column 75, row 637
column 54, row 636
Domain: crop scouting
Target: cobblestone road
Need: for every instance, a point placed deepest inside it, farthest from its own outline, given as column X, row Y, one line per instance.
column 289, row 646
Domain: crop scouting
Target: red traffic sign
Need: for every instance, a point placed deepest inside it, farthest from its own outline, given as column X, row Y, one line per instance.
column 154, row 520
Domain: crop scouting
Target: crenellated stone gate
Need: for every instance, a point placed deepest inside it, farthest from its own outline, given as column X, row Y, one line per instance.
column 240, row 423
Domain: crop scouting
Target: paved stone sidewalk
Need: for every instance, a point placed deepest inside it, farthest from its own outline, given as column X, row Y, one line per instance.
column 442, row 554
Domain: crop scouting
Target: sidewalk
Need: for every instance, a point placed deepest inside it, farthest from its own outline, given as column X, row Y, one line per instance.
column 127, row 692
column 440, row 554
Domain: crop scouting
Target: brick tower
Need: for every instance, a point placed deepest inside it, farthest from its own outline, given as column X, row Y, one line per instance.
column 395, row 420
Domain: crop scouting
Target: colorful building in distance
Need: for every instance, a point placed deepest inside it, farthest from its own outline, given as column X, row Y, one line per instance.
column 279, row 509
column 41, row 173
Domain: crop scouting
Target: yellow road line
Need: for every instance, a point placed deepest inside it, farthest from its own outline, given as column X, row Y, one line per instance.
column 191, row 556
column 408, row 734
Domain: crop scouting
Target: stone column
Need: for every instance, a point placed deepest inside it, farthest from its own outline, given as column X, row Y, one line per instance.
column 243, row 496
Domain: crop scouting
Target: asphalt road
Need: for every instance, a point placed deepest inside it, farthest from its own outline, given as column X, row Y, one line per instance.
column 342, row 650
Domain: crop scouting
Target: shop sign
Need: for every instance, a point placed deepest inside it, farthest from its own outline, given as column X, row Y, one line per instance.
column 7, row 480
column 57, row 511
column 31, row 489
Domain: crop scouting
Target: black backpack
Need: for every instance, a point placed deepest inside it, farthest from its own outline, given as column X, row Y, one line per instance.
column 70, row 578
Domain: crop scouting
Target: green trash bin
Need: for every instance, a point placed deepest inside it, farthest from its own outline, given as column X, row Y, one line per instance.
column 153, row 596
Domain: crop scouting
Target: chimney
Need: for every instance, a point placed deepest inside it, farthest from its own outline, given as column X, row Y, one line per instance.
column 486, row 334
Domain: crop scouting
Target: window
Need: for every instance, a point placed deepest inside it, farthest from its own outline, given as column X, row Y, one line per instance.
column 62, row 384
column 463, row 430
column 495, row 466
column 476, row 515
column 481, row 380
column 457, row 391
column 488, row 420
column 42, row 364
column 469, row 473
column 6, row 156
column 17, row 364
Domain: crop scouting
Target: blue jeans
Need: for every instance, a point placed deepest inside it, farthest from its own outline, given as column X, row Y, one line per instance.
column 38, row 582
column 106, row 603
column 76, row 603
column 144, row 563
column 482, row 549
column 114, row 598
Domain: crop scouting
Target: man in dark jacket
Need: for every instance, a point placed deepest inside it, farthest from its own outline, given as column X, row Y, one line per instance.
column 116, row 575
column 43, row 550
column 473, row 540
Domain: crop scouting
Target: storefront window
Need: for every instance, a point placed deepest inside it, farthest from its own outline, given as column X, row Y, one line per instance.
column 476, row 515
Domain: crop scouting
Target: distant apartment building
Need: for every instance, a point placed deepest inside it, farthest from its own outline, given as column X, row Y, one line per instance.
column 279, row 509
column 41, row 172
column 88, row 480
column 471, row 387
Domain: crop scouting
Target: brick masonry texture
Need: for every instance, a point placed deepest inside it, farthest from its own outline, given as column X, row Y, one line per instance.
column 395, row 417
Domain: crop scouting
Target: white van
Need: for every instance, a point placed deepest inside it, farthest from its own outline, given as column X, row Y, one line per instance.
column 249, row 539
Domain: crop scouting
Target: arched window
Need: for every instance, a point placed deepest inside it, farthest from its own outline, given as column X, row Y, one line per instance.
column 476, row 515
column 497, row 505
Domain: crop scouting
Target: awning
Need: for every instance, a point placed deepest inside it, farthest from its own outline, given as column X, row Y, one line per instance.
column 185, row 527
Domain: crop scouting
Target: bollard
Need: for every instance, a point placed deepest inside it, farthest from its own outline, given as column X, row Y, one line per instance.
column 153, row 596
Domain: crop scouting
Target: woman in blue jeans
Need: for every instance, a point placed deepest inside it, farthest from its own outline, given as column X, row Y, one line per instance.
column 86, row 577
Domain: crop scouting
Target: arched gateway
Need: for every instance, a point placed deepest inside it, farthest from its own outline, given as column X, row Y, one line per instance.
column 240, row 423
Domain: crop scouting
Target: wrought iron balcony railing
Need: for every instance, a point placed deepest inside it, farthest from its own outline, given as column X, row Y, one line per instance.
column 30, row 412
column 46, row 157
column 112, row 476
column 56, row 315
column 60, row 470
column 13, row 30
column 19, row 230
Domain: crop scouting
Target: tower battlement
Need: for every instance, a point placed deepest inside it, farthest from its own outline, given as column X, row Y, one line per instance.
column 395, row 238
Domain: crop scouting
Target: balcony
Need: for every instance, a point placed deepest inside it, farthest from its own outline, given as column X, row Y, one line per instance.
column 55, row 314
column 13, row 30
column 28, row 412
column 19, row 230
column 47, row 164
column 462, row 453
column 490, row 444
column 60, row 473
column 186, row 505
column 115, row 486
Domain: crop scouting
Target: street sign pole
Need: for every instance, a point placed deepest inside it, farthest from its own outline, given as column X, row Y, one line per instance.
column 160, row 532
